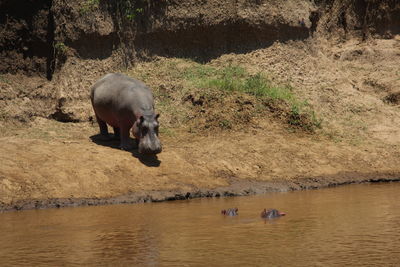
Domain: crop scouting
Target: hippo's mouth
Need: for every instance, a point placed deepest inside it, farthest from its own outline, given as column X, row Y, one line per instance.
column 150, row 151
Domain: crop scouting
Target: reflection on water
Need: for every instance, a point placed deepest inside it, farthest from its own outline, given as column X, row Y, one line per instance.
column 354, row 225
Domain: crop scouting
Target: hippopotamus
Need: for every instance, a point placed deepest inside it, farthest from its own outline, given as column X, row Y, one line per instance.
column 271, row 213
column 230, row 212
column 126, row 103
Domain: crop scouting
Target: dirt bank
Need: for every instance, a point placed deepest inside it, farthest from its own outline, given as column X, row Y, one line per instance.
column 340, row 67
column 58, row 164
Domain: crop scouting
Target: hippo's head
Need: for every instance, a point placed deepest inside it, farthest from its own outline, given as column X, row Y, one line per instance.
column 230, row 212
column 271, row 214
column 145, row 130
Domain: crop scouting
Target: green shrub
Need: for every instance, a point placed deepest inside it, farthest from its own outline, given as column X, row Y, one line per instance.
column 60, row 47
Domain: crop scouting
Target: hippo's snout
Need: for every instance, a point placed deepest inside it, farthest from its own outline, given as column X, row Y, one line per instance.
column 150, row 151
column 150, row 146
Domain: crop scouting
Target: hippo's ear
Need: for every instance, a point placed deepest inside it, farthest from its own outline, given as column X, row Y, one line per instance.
column 157, row 115
column 141, row 119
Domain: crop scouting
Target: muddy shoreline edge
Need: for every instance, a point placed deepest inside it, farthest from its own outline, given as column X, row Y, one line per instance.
column 237, row 187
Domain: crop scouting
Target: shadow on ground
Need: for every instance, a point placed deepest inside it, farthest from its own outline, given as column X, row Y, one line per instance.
column 148, row 160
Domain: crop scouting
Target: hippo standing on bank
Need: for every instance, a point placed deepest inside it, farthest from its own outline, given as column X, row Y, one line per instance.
column 125, row 103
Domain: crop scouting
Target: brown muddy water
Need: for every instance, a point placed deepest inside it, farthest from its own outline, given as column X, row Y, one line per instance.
column 356, row 225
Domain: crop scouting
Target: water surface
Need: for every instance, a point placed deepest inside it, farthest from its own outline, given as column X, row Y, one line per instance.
column 357, row 225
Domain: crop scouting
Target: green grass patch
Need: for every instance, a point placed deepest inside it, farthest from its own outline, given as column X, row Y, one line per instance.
column 237, row 79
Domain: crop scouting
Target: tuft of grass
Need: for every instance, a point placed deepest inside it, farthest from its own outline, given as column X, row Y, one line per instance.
column 132, row 13
column 60, row 48
column 4, row 80
column 89, row 5
column 230, row 79
column 197, row 74
column 225, row 124
column 167, row 131
column 302, row 115
column 317, row 122
column 259, row 86
column 131, row 9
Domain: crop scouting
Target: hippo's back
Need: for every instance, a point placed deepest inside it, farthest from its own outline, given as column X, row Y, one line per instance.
column 114, row 83
column 117, row 91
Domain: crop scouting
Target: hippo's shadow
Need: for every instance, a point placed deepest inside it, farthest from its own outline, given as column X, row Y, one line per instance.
column 148, row 160
column 98, row 139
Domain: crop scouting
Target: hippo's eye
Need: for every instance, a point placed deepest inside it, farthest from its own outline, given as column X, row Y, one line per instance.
column 145, row 130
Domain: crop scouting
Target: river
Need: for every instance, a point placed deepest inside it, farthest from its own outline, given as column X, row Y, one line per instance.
column 355, row 225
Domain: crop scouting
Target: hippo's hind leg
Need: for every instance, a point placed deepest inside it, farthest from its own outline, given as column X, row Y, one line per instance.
column 104, row 136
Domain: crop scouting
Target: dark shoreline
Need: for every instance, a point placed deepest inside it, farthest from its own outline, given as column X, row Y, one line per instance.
column 238, row 187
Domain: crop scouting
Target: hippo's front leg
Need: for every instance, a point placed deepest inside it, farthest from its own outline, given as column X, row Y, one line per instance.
column 117, row 133
column 124, row 136
column 135, row 133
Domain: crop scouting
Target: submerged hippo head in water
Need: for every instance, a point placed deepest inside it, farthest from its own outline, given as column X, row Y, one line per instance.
column 271, row 213
column 230, row 212
column 145, row 129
